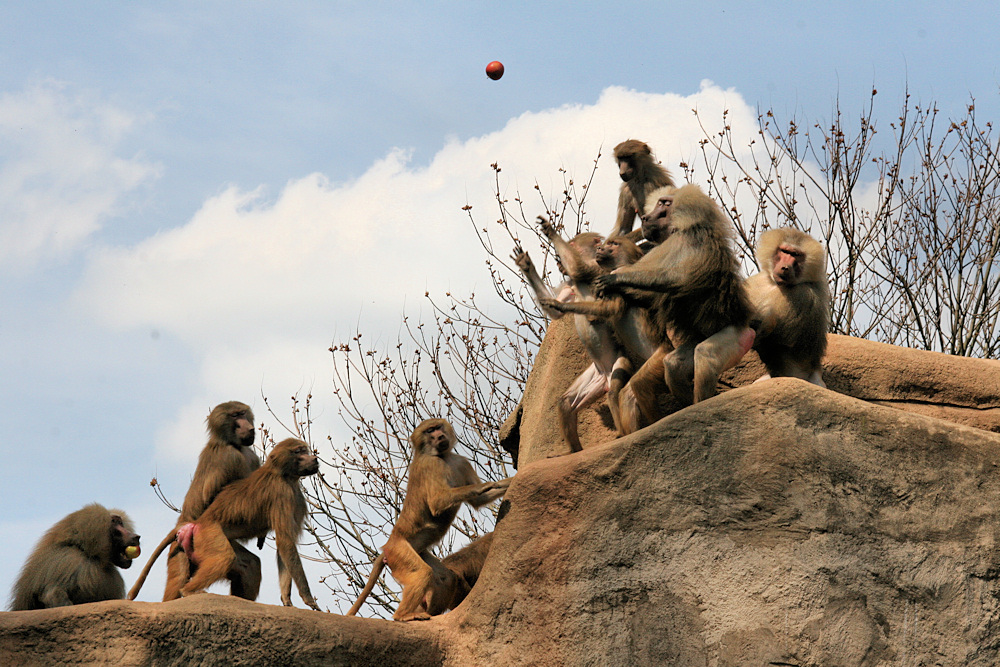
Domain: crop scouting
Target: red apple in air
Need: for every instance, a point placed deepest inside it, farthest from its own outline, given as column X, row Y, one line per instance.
column 494, row 70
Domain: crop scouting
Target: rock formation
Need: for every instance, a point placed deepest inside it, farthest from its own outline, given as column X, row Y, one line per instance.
column 776, row 524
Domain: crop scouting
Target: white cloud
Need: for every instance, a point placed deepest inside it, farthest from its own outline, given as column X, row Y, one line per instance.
column 247, row 261
column 259, row 286
column 60, row 175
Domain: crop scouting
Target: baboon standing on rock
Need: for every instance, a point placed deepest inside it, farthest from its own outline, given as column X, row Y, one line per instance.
column 269, row 499
column 227, row 457
column 581, row 263
column 641, row 175
column 76, row 561
column 438, row 482
column 791, row 297
column 633, row 398
column 584, row 247
column 607, row 331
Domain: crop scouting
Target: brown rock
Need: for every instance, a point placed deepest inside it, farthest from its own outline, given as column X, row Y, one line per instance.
column 209, row 630
column 958, row 389
column 778, row 523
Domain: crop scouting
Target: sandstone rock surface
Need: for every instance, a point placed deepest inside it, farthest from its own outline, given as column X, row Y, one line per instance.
column 776, row 524
column 208, row 630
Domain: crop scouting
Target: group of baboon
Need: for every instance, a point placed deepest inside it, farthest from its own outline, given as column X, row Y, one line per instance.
column 660, row 310
column 663, row 309
column 232, row 498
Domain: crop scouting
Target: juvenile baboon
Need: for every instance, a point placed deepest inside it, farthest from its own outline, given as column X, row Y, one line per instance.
column 614, row 253
column 791, row 298
column 641, row 175
column 694, row 299
column 458, row 574
column 438, row 482
column 228, row 456
column 585, row 245
column 578, row 259
column 75, row 561
column 619, row 346
column 596, row 334
column 269, row 499
column 633, row 399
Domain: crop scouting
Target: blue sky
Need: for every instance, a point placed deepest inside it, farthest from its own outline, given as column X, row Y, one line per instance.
column 196, row 199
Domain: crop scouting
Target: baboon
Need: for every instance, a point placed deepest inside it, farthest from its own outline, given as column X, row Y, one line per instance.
column 585, row 244
column 269, row 499
column 75, row 561
column 459, row 572
column 577, row 259
column 641, row 175
column 617, row 346
column 596, row 334
column 694, row 299
column 614, row 253
column 228, row 456
column 438, row 482
column 791, row 298
column 631, row 398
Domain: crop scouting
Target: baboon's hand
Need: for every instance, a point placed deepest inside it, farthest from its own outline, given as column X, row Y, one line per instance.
column 546, row 227
column 521, row 259
column 549, row 302
column 605, row 285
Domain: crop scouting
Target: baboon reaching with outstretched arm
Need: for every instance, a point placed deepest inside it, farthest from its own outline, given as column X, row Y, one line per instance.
column 597, row 335
column 615, row 345
column 694, row 298
column 438, row 482
column 632, row 398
